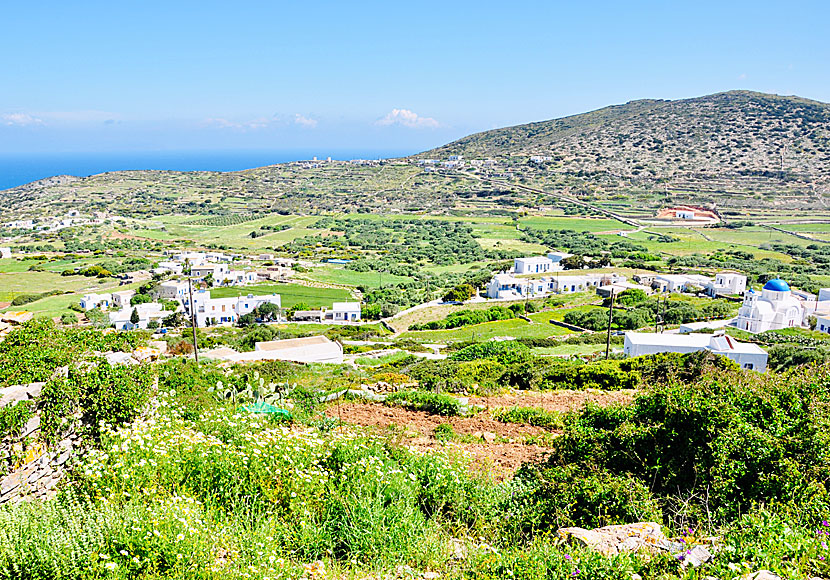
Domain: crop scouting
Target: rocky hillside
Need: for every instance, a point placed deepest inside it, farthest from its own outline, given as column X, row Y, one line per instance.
column 737, row 133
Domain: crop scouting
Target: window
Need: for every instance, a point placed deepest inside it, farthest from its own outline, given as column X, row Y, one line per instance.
column 749, row 366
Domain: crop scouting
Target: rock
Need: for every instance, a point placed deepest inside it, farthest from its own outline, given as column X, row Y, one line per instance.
column 488, row 436
column 31, row 426
column 459, row 550
column 760, row 575
column 430, row 575
column 13, row 394
column 694, row 557
column 613, row 540
column 9, row 484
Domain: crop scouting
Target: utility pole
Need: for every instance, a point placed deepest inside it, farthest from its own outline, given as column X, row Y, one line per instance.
column 610, row 318
column 663, row 316
column 193, row 318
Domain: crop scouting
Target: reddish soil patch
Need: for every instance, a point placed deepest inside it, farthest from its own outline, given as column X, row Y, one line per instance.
column 562, row 401
column 4, row 305
column 501, row 457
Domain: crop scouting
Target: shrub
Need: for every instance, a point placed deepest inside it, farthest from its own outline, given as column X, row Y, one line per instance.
column 534, row 416
column 725, row 442
column 13, row 418
column 505, row 352
column 548, row 498
column 432, row 403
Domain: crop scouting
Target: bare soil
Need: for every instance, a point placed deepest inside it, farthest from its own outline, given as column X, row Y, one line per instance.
column 507, row 449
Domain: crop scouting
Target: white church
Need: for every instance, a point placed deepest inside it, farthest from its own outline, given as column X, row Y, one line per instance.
column 774, row 309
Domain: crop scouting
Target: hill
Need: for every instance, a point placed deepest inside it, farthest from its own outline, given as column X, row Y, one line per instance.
column 732, row 133
column 751, row 155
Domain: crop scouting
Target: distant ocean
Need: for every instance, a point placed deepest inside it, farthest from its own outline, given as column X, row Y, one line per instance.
column 17, row 169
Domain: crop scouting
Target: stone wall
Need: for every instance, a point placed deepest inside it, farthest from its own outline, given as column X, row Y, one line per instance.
column 28, row 468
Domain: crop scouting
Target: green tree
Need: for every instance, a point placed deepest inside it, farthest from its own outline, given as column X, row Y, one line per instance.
column 134, row 318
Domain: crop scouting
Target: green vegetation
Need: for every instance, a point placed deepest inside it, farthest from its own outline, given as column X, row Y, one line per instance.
column 529, row 416
column 290, row 294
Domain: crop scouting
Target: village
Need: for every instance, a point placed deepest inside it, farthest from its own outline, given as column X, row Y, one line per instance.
column 176, row 292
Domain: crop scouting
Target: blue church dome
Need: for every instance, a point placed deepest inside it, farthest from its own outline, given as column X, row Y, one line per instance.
column 777, row 285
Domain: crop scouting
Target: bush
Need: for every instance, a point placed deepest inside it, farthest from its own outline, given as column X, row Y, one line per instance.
column 725, row 442
column 505, row 352
column 534, row 416
column 105, row 394
column 432, row 403
column 13, row 418
column 549, row 498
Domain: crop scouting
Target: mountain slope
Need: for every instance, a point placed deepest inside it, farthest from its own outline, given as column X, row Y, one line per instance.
column 727, row 134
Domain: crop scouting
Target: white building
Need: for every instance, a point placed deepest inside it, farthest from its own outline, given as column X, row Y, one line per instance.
column 170, row 266
column 532, row 265
column 147, row 312
column 90, row 301
column 681, row 282
column 557, row 257
column 226, row 311
column 174, row 290
column 748, row 355
column 727, row 283
column 507, row 286
column 217, row 271
column 5, row 253
column 249, row 303
column 122, row 299
column 345, row 312
column 823, row 324
column 824, row 295
column 584, row 282
column 774, row 309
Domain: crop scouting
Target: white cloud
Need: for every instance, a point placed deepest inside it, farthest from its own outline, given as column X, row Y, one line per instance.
column 304, row 121
column 20, row 119
column 742, row 77
column 252, row 124
column 407, row 118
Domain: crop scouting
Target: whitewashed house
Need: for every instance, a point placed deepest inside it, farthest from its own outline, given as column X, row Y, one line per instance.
column 748, row 355
column 169, row 266
column 122, row 299
column 344, row 312
column 824, row 295
column 823, row 324
column 90, row 301
column 218, row 271
column 147, row 312
column 681, row 282
column 506, row 286
column 556, row 258
column 249, row 303
column 174, row 290
column 532, row 265
column 5, row 253
column 727, row 283
column 774, row 309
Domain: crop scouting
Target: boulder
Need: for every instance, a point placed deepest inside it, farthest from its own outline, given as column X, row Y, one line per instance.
column 613, row 540
column 760, row 575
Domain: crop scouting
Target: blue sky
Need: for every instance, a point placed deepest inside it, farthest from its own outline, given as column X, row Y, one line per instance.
column 180, row 75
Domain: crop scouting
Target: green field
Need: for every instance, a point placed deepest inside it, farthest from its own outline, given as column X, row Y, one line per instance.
column 333, row 274
column 573, row 223
column 290, row 294
column 516, row 328
column 174, row 227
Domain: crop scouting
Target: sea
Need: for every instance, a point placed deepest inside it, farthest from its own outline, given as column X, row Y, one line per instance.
column 18, row 169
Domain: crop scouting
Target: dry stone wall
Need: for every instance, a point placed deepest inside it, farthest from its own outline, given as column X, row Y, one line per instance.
column 29, row 469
